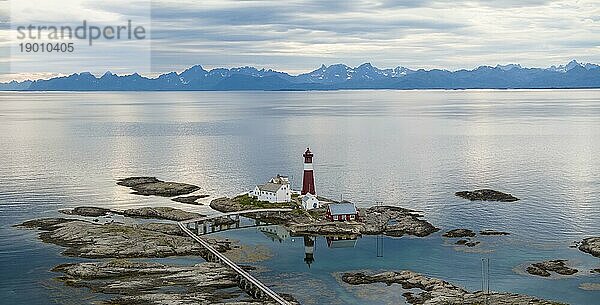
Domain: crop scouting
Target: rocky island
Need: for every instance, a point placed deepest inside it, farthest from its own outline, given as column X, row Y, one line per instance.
column 544, row 268
column 190, row 199
column 141, row 282
column 114, row 240
column 591, row 246
column 388, row 220
column 165, row 213
column 148, row 186
column 135, row 282
column 437, row 292
column 486, row 195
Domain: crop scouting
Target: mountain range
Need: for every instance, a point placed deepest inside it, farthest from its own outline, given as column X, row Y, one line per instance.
column 333, row 77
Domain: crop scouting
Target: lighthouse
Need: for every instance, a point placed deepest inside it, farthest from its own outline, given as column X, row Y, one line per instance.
column 308, row 180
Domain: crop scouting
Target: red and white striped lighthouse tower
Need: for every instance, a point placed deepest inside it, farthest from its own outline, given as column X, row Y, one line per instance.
column 308, row 181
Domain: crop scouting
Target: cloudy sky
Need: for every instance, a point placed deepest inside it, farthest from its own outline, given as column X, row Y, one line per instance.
column 299, row 35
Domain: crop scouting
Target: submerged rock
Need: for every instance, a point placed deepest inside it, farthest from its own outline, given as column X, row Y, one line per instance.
column 436, row 291
column 589, row 286
column 492, row 232
column 591, row 245
column 459, row 233
column 544, row 268
column 152, row 186
column 486, row 195
column 112, row 240
column 472, row 244
column 190, row 199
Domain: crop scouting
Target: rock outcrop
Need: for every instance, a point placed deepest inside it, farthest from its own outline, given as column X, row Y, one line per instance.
column 591, row 245
column 166, row 213
column 142, row 282
column 190, row 199
column 395, row 221
column 544, row 268
column 148, row 186
column 87, row 211
column 113, row 240
column 486, row 195
column 135, row 282
column 459, row 233
column 438, row 292
column 388, row 220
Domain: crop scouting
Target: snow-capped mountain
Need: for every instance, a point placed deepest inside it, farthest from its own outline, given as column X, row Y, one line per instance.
column 337, row 76
column 340, row 73
column 573, row 64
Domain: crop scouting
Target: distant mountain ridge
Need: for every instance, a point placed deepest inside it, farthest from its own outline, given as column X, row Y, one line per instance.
column 337, row 76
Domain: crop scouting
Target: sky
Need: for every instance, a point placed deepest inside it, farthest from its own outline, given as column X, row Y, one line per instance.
column 298, row 36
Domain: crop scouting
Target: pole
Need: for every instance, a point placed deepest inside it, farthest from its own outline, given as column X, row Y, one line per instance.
column 485, row 279
column 482, row 277
column 488, row 276
column 380, row 236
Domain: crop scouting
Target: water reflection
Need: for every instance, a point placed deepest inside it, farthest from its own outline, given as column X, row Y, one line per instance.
column 275, row 232
column 309, row 250
column 280, row 234
column 341, row 241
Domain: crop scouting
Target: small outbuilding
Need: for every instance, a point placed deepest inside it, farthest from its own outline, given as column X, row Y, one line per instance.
column 345, row 211
column 310, row 201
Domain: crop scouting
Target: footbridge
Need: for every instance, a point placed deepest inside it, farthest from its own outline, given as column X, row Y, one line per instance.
column 227, row 221
column 246, row 281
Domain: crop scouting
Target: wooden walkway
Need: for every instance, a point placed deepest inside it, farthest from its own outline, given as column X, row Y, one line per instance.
column 246, row 281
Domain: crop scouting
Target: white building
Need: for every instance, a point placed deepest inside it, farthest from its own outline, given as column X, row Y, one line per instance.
column 310, row 201
column 276, row 190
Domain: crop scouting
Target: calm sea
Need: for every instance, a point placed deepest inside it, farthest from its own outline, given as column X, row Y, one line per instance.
column 407, row 148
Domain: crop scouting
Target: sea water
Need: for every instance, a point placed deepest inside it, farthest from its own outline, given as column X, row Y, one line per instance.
column 405, row 148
